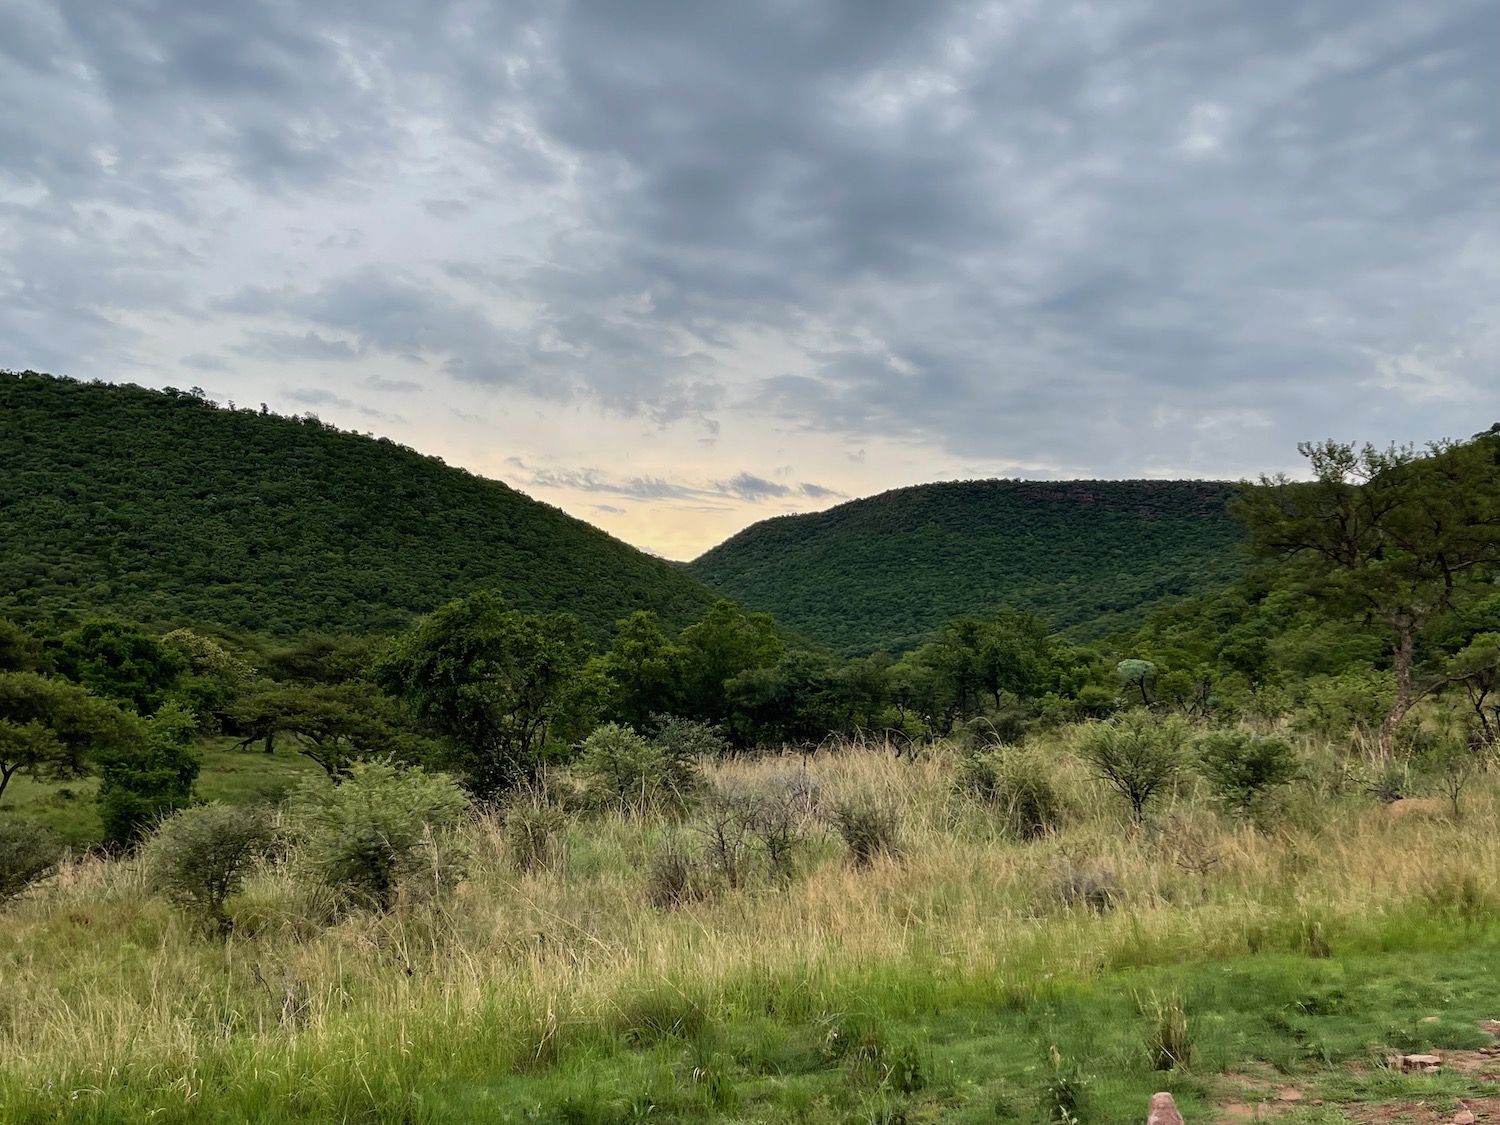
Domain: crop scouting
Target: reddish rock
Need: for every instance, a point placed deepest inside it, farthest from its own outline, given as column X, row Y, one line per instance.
column 1163, row 1111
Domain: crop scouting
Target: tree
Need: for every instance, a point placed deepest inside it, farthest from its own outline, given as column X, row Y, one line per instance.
column 200, row 856
column 119, row 661
column 724, row 643
column 1245, row 768
column 140, row 784
column 1394, row 536
column 1137, row 754
column 52, row 729
column 333, row 724
column 494, row 681
column 642, row 669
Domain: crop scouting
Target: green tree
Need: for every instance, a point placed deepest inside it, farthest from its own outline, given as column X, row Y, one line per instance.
column 1137, row 753
column 642, row 670
column 1394, row 536
column 1245, row 769
column 120, row 661
column 141, row 784
column 494, row 681
column 333, row 724
column 726, row 642
column 201, row 855
column 53, row 729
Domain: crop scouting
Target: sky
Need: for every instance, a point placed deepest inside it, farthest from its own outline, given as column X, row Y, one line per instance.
column 677, row 267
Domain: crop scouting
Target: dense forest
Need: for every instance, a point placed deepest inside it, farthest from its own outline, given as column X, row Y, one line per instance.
column 885, row 572
column 165, row 507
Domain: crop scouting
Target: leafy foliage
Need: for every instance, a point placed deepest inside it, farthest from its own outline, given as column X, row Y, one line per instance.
column 200, row 856
column 378, row 830
column 1245, row 769
column 887, row 571
column 160, row 506
column 141, row 784
column 1138, row 754
column 27, row 852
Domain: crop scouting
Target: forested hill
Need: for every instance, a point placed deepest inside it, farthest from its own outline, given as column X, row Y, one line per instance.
column 883, row 572
column 160, row 506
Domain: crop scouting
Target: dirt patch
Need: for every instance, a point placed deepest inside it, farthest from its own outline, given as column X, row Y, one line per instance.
column 1438, row 1111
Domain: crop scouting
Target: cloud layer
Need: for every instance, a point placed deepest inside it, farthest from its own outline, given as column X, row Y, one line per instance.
column 1057, row 238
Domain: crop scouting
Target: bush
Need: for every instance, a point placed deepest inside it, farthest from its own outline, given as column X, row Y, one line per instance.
column 1089, row 885
column 623, row 770
column 28, row 851
column 1016, row 786
column 868, row 830
column 675, row 879
column 535, row 834
column 1137, row 753
column 381, row 830
column 1244, row 769
column 200, row 856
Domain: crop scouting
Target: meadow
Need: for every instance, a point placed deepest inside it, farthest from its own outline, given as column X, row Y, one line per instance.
column 962, row 973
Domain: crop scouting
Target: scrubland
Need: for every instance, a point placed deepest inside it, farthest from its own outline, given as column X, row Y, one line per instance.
column 955, row 971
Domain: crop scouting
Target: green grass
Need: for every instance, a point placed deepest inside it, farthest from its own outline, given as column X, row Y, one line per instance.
column 235, row 776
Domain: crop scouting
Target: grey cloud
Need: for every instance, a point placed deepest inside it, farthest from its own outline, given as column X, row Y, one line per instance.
column 744, row 486
column 287, row 345
column 401, row 386
column 202, row 361
column 748, row 486
column 1090, row 238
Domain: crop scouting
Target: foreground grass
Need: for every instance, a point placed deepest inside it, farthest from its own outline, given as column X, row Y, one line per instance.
column 951, row 984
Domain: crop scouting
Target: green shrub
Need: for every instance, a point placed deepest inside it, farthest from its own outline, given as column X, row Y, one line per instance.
column 869, row 830
column 1138, row 754
column 1016, row 786
column 1245, row 769
column 28, row 851
column 199, row 857
column 382, row 830
column 623, row 770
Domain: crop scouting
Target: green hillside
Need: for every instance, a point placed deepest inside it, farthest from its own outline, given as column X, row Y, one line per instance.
column 882, row 572
column 161, row 506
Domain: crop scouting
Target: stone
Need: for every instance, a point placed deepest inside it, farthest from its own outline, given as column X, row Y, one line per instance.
column 1163, row 1111
column 1427, row 1064
column 1431, row 1019
column 1289, row 1094
column 1464, row 1117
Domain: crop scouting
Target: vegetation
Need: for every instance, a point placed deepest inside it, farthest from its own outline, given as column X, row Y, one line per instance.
column 888, row 571
column 497, row 868
column 161, row 506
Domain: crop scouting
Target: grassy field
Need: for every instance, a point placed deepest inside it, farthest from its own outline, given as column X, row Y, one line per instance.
column 228, row 775
column 966, row 980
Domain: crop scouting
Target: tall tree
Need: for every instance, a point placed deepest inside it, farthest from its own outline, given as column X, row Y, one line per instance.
column 1395, row 536
column 53, row 729
column 491, row 679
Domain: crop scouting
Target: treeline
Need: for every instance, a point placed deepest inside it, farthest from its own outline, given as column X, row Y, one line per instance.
column 1378, row 593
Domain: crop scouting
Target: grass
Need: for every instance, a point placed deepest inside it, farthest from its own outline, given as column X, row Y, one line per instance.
column 228, row 774
column 951, row 983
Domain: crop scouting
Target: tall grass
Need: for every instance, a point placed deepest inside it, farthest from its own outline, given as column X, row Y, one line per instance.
column 110, row 998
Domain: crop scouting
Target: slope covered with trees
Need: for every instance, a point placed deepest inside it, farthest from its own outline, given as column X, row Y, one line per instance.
column 161, row 506
column 885, row 572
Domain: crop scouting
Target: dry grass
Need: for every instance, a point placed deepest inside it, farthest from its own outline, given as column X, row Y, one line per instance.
column 103, row 985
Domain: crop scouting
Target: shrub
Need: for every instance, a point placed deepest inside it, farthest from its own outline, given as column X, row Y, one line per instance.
column 675, row 879
column 1064, row 1099
column 1137, row 753
column 383, row 828
column 623, row 770
column 1091, row 885
column 199, row 857
column 868, row 830
column 1245, row 769
column 1016, row 786
column 535, row 834
column 28, row 851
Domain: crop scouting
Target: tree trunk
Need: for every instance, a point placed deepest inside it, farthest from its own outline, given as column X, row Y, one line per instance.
column 1401, row 661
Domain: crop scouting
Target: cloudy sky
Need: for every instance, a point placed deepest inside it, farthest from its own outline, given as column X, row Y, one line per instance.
column 677, row 266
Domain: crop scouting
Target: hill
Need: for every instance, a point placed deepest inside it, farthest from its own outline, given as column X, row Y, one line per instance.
column 882, row 572
column 163, row 507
